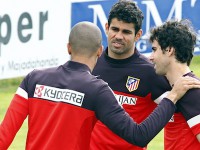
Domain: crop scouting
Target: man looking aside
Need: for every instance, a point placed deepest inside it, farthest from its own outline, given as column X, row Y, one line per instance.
column 129, row 74
column 173, row 46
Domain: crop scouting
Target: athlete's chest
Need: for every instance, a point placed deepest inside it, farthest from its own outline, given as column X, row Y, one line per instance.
column 129, row 81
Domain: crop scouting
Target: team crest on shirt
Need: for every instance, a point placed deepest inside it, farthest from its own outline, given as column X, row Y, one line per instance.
column 132, row 83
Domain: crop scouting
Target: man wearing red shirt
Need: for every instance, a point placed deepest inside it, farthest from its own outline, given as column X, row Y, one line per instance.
column 173, row 46
column 129, row 74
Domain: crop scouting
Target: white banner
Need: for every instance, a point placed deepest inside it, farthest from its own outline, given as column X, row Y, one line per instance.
column 33, row 34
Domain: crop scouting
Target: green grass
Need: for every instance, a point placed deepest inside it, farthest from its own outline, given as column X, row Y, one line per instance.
column 157, row 142
column 195, row 65
column 9, row 86
column 7, row 90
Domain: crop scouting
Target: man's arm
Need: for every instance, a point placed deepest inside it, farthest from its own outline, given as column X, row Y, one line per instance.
column 15, row 115
column 190, row 108
column 112, row 115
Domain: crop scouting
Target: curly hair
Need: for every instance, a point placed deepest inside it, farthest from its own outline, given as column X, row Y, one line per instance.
column 126, row 11
column 177, row 34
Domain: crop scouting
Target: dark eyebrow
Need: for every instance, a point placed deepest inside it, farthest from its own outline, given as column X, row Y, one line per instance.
column 124, row 31
column 127, row 31
column 113, row 27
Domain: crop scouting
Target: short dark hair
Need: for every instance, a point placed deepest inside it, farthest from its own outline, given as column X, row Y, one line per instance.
column 126, row 11
column 177, row 34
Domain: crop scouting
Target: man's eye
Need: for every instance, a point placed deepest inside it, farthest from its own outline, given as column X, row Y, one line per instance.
column 127, row 32
column 114, row 29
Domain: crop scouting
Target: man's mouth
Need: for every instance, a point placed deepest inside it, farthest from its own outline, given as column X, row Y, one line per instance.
column 118, row 44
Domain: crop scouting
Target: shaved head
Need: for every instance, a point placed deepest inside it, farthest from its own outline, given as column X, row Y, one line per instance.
column 85, row 38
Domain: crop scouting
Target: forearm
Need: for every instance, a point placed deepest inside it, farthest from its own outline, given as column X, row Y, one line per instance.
column 156, row 121
column 141, row 134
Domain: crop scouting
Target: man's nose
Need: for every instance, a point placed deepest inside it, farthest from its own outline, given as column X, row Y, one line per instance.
column 119, row 35
column 151, row 57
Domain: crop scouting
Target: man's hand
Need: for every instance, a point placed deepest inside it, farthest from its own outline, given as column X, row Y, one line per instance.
column 181, row 86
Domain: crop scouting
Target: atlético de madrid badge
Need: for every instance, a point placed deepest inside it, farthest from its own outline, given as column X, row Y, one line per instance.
column 132, row 83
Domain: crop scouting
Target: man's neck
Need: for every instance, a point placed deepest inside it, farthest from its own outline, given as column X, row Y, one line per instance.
column 176, row 71
column 90, row 62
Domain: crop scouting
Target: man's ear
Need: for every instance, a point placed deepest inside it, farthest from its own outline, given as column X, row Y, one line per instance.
column 106, row 28
column 170, row 51
column 69, row 48
column 100, row 50
column 138, row 35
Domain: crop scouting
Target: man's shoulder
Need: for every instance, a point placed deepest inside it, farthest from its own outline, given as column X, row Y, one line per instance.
column 97, row 81
column 145, row 59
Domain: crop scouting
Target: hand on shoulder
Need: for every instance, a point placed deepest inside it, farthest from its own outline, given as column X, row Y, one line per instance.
column 181, row 86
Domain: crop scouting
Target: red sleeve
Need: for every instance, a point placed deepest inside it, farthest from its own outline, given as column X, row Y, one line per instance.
column 14, row 118
column 196, row 129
